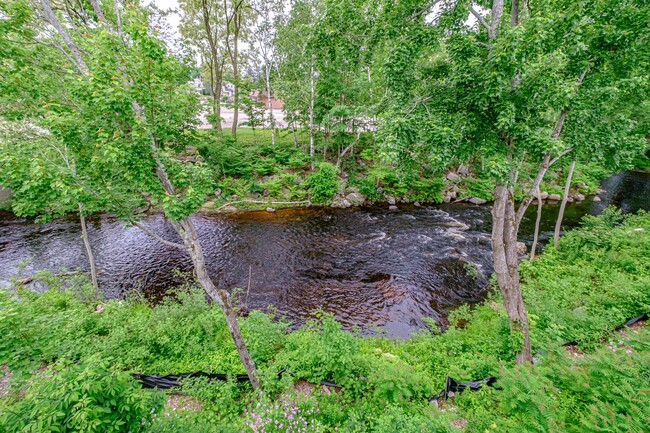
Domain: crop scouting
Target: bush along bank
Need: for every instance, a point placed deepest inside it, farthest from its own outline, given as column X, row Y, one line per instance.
column 68, row 365
column 253, row 176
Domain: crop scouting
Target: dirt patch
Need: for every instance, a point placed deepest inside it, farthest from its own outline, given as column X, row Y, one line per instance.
column 304, row 387
column 182, row 402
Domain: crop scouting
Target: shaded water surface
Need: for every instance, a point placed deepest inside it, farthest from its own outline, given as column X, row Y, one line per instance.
column 369, row 266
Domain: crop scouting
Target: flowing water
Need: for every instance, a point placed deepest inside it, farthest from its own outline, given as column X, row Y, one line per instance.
column 370, row 267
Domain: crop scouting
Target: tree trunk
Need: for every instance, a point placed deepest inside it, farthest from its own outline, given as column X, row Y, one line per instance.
column 89, row 251
column 565, row 197
column 293, row 132
column 187, row 231
column 235, row 74
column 506, row 262
column 311, row 120
column 537, row 222
column 270, row 103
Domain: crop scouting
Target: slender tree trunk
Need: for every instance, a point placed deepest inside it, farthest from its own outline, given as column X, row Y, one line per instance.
column 235, row 74
column 565, row 197
column 89, row 251
column 98, row 11
column 186, row 229
column 270, row 103
column 293, row 132
column 311, row 119
column 506, row 263
column 537, row 222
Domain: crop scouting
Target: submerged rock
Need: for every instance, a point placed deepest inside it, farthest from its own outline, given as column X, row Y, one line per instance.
column 597, row 199
column 270, row 209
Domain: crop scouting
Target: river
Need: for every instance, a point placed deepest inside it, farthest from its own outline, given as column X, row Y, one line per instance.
column 377, row 269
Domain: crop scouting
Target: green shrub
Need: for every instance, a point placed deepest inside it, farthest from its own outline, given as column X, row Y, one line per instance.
column 86, row 398
column 324, row 182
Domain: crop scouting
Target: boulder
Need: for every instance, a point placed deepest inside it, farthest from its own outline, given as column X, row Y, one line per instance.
column 580, row 197
column 416, row 204
column 270, row 209
column 597, row 199
column 355, row 198
column 570, row 199
column 446, row 199
column 554, row 197
column 391, row 200
column 476, row 200
column 543, row 195
column 453, row 194
column 521, row 248
column 392, row 207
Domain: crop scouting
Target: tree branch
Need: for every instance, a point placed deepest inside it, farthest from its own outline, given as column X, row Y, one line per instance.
column 480, row 18
column 158, row 238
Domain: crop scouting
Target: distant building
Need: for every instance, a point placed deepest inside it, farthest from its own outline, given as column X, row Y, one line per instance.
column 261, row 97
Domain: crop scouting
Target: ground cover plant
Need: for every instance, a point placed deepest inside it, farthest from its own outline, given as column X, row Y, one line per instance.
column 59, row 341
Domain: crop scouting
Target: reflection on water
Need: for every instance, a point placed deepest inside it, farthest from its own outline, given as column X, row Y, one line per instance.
column 370, row 267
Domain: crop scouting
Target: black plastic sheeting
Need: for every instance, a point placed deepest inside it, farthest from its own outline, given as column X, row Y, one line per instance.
column 454, row 386
column 174, row 380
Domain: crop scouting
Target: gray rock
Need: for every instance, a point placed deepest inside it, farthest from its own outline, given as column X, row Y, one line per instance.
column 340, row 202
column 270, row 209
column 355, row 198
column 476, row 200
column 570, row 199
column 580, row 197
column 229, row 209
column 453, row 194
column 452, row 176
column 352, row 190
column 446, row 199
column 217, row 192
column 391, row 200
column 463, row 170
column 597, row 199
column 392, row 207
column 543, row 195
column 417, row 204
column 266, row 192
column 521, row 248
column 580, row 185
column 554, row 197
column 404, row 200
column 600, row 191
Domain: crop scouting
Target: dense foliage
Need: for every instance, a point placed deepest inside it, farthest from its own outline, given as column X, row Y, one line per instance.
column 597, row 279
